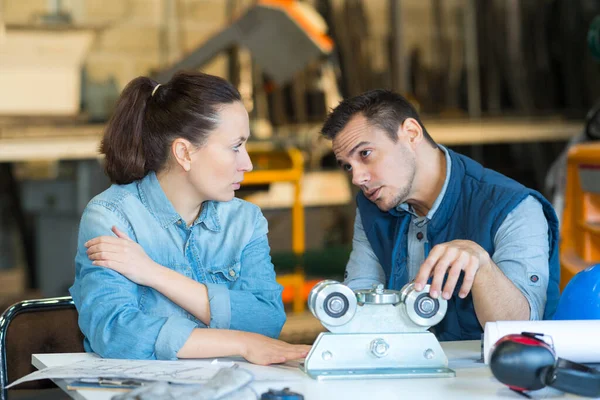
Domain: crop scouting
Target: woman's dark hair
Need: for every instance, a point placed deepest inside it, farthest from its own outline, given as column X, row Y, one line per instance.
column 382, row 108
column 145, row 122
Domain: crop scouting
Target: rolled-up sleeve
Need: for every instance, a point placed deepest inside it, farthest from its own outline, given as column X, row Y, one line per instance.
column 108, row 303
column 522, row 253
column 220, row 306
column 253, row 303
column 363, row 269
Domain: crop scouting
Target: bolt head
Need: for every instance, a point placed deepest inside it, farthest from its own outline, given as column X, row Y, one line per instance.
column 379, row 348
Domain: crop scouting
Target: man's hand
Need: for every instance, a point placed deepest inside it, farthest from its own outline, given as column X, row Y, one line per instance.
column 451, row 258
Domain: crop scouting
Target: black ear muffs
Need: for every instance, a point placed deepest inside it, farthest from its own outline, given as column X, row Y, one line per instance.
column 526, row 362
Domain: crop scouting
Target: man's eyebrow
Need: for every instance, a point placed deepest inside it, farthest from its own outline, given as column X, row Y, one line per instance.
column 353, row 150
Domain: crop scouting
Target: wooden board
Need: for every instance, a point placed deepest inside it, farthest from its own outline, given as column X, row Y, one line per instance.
column 56, row 142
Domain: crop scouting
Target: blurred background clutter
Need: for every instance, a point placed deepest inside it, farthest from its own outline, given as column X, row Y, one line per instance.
column 511, row 83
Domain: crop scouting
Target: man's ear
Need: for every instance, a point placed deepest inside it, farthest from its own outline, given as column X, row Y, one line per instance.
column 412, row 130
column 180, row 150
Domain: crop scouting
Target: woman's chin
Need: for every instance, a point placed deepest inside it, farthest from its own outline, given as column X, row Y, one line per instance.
column 227, row 197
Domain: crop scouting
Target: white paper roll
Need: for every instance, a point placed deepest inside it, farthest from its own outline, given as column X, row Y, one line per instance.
column 577, row 341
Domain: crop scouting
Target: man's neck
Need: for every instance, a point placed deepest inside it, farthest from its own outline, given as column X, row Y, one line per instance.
column 430, row 178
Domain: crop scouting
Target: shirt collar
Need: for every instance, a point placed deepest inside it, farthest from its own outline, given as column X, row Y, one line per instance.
column 436, row 204
column 155, row 199
column 209, row 215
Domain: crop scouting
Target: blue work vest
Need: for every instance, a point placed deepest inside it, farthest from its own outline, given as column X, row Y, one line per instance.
column 476, row 202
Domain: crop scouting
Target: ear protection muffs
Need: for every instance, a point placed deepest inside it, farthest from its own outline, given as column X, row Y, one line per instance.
column 527, row 361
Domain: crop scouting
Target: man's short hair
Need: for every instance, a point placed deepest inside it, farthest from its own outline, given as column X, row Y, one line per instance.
column 382, row 108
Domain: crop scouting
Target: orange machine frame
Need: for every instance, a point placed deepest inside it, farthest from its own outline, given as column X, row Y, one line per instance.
column 580, row 230
column 292, row 174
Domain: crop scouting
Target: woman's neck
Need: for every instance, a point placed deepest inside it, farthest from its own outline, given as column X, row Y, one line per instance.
column 183, row 198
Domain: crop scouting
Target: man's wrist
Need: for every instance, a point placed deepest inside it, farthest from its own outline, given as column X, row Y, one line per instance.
column 486, row 269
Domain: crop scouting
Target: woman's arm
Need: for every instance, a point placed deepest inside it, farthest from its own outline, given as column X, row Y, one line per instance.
column 108, row 303
column 254, row 301
column 128, row 258
column 252, row 304
column 110, row 317
column 258, row 349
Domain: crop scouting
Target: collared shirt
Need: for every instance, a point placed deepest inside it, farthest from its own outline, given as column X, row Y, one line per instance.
column 418, row 246
column 225, row 248
column 521, row 249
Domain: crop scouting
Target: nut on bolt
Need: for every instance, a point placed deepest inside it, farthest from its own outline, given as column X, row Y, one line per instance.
column 379, row 347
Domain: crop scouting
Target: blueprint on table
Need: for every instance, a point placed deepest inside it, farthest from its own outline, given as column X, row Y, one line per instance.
column 181, row 371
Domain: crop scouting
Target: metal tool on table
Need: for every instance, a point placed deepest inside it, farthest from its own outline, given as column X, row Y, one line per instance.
column 376, row 333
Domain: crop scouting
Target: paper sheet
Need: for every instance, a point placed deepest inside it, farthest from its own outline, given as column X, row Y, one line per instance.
column 182, row 371
column 573, row 340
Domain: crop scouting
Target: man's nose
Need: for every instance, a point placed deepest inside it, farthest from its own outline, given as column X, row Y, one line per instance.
column 360, row 176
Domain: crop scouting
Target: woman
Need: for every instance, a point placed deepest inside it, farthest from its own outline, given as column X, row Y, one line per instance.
column 168, row 251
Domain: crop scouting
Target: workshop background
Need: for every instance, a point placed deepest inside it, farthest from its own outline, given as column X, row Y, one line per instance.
column 509, row 83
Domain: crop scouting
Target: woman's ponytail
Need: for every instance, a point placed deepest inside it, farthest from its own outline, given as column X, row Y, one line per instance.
column 122, row 143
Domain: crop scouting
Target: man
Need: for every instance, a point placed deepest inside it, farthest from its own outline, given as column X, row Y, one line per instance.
column 489, row 244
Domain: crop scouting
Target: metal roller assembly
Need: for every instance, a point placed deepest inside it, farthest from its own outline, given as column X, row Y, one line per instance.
column 421, row 308
column 332, row 302
column 375, row 333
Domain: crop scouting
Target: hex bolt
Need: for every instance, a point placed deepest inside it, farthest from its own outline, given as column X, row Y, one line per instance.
column 426, row 305
column 336, row 304
column 379, row 347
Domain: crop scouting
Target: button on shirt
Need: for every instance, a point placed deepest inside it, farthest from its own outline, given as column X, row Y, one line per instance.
column 226, row 248
column 521, row 249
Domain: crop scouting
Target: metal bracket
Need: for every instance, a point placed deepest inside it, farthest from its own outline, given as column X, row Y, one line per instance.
column 376, row 355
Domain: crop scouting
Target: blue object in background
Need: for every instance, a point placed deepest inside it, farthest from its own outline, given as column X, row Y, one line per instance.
column 581, row 297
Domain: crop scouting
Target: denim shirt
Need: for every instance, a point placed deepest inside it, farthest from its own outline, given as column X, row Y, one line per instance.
column 226, row 249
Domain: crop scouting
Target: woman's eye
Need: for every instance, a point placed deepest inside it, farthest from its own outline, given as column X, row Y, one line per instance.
column 365, row 153
column 347, row 167
column 237, row 148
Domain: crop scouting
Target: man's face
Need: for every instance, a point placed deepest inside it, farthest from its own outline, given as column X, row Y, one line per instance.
column 383, row 169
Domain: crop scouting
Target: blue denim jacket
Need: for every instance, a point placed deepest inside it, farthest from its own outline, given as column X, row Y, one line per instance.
column 226, row 248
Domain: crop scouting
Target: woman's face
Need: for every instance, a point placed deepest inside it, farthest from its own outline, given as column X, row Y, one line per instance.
column 218, row 167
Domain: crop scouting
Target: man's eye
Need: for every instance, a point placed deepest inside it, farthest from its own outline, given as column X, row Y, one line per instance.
column 347, row 167
column 365, row 153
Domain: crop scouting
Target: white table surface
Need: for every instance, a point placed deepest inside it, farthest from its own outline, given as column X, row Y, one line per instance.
column 473, row 380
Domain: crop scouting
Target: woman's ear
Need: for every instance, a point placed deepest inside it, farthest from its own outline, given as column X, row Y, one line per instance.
column 180, row 149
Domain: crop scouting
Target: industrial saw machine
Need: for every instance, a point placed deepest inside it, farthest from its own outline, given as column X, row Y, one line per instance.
column 376, row 333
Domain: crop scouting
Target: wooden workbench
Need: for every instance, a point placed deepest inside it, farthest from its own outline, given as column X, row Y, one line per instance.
column 64, row 141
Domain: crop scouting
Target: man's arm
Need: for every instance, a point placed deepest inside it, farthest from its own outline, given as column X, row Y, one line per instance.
column 515, row 287
column 522, row 251
column 512, row 284
column 363, row 269
column 496, row 298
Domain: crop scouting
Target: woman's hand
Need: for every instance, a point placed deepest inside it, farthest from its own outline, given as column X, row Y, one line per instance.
column 262, row 350
column 123, row 255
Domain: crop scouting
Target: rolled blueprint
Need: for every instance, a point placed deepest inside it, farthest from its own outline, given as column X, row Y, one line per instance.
column 577, row 341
